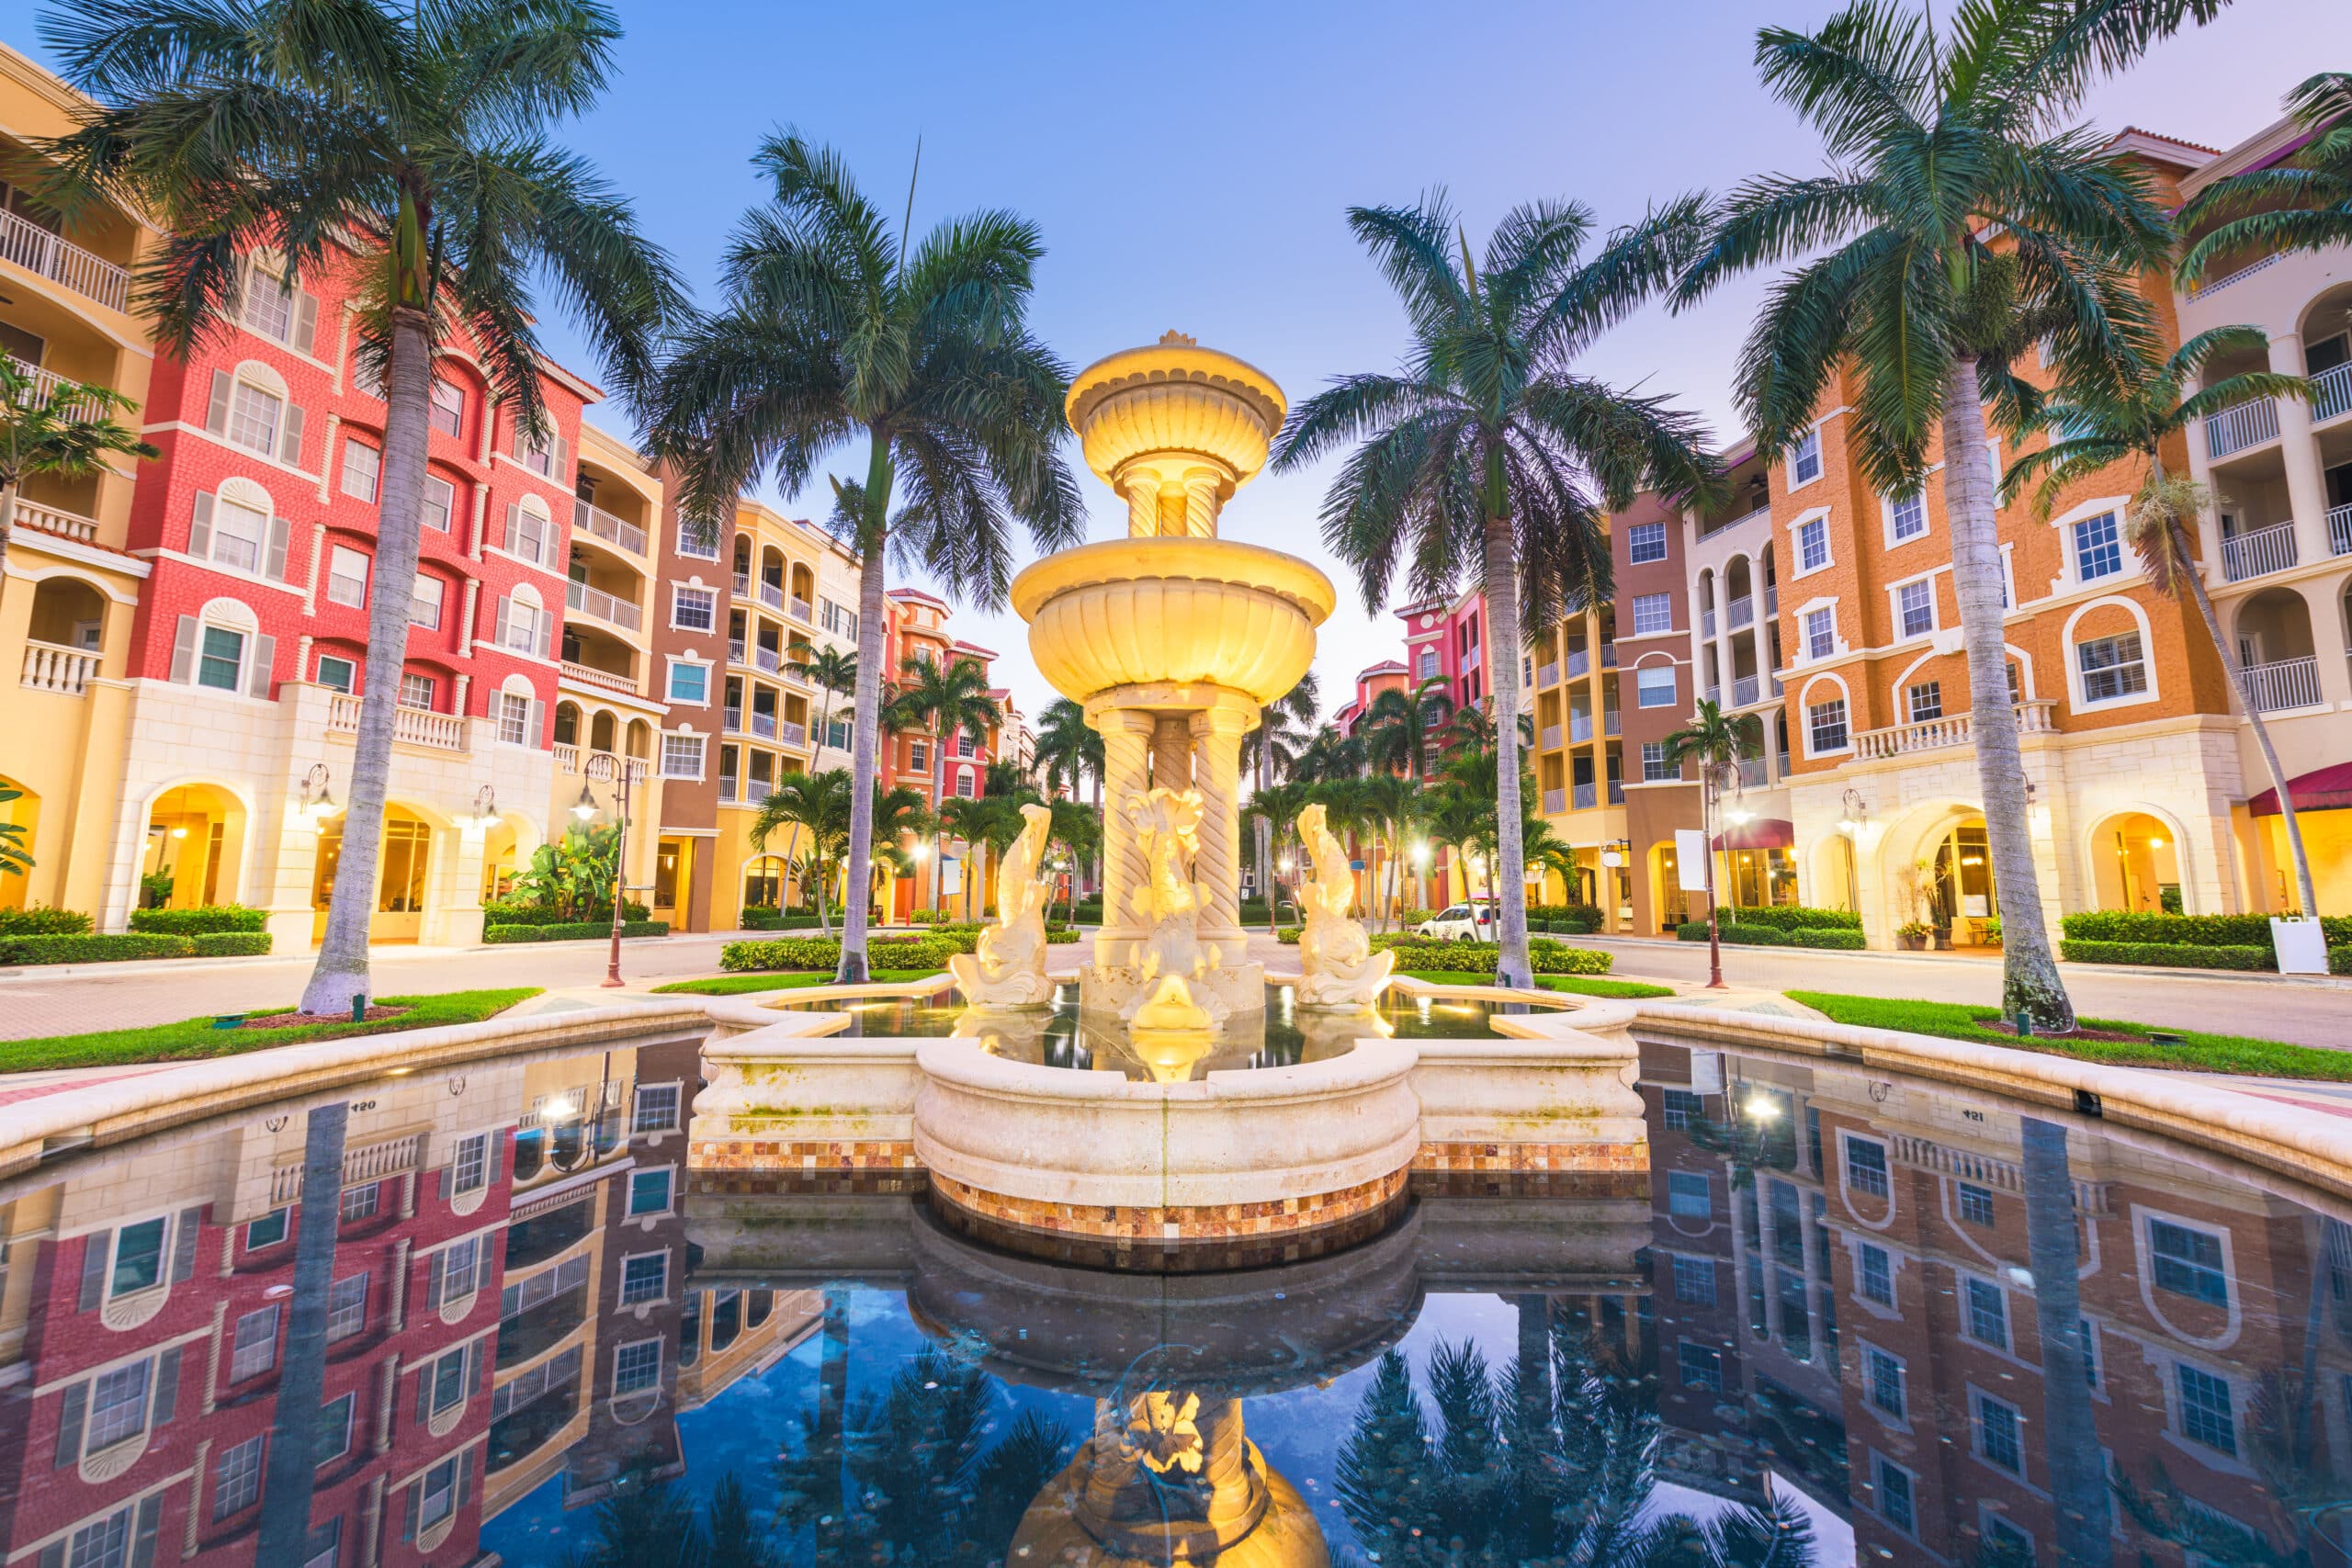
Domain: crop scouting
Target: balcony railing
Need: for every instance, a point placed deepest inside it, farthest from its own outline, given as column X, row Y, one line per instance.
column 1616, row 792
column 757, row 791
column 1555, row 802
column 767, row 659
column 1609, row 721
column 596, row 520
column 1585, row 797
column 412, row 727
column 1706, row 623
column 1772, row 599
column 52, row 667
column 793, row 734
column 1580, row 727
column 772, row 594
column 51, row 520
column 2284, row 684
column 567, row 756
column 2215, row 284
column 1714, row 694
column 1934, row 734
column 726, row 789
column 597, row 605
column 1551, row 737
column 2236, row 429
column 1752, row 774
column 763, row 725
column 1549, row 674
column 2262, row 552
column 2331, row 393
column 735, row 649
column 46, row 382
column 1579, row 661
column 1609, row 655
column 803, row 612
column 36, row 250
column 1743, row 612
column 742, row 585
column 1744, row 689
column 733, row 720
column 588, row 674
column 2340, row 530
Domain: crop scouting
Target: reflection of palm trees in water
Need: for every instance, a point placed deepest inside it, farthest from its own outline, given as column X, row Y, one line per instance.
column 1517, row 1473
column 653, row 1525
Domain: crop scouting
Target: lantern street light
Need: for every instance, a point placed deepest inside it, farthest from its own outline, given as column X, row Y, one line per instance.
column 606, row 768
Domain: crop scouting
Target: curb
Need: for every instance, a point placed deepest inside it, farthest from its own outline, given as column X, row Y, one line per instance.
column 2128, row 971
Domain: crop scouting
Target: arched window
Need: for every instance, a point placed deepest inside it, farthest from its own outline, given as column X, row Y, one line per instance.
column 237, row 527
column 250, row 407
column 521, row 625
column 223, row 648
column 530, row 530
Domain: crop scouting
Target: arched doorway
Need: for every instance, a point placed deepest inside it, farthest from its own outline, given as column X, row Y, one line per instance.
column 1949, row 886
column 2135, row 863
column 23, row 814
column 404, row 875
column 763, row 883
column 195, row 844
column 1667, row 897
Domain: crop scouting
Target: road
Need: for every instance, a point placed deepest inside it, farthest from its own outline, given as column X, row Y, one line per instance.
column 2313, row 1013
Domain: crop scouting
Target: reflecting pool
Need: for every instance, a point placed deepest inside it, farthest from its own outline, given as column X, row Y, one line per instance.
column 1855, row 1321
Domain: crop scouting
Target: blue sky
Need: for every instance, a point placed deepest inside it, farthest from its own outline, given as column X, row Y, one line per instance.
column 1190, row 167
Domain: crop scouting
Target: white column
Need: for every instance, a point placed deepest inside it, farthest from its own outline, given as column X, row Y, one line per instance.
column 1216, row 774
column 2306, row 486
column 1201, row 503
column 1142, row 491
column 1127, row 751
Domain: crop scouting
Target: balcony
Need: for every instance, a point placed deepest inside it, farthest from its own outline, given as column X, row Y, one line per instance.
column 727, row 789
column 735, row 650
column 1580, row 727
column 2232, row 430
column 803, row 612
column 1752, row 774
column 734, row 720
column 767, row 659
column 1616, row 792
column 51, row 519
column 1935, row 734
column 742, row 585
column 757, row 791
column 2215, row 284
column 1555, row 802
column 1551, row 737
column 2340, row 530
column 411, row 727
column 1772, row 599
column 1548, row 675
column 597, row 605
column 793, row 734
column 52, row 667
column 763, row 725
column 1609, row 721
column 772, row 594
column 2284, row 684
column 589, row 676
column 1745, row 690
column 1579, row 661
column 1743, row 612
column 1609, row 655
column 2262, row 552
column 1713, row 695
column 2331, row 393
column 1706, row 623
column 36, row 250
column 600, row 523
column 1585, row 797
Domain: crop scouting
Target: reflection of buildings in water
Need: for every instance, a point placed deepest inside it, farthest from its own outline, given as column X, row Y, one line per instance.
column 1100, row 1040
column 1887, row 1355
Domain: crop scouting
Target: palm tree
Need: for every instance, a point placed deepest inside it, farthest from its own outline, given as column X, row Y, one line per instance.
column 1277, row 807
column 1329, row 757
column 2128, row 420
column 1398, row 726
column 65, row 432
column 1717, row 744
column 943, row 698
column 1391, row 804
column 1069, row 749
column 2306, row 200
column 1078, row 832
column 1270, row 751
column 831, row 671
column 834, row 331
column 1946, row 143
column 816, row 805
column 1489, row 453
column 406, row 146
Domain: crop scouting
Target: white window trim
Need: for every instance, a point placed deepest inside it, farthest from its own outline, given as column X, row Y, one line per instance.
column 1926, row 519
column 2068, row 643
column 181, row 427
column 642, row 1303
column 1895, row 608
column 1797, row 569
column 1880, row 1462
column 669, row 1207
column 1789, row 483
column 695, row 584
column 660, row 1360
column 542, row 567
column 704, row 665
column 1903, row 1371
column 2070, row 578
column 1803, row 654
column 2024, row 1471
column 1665, row 544
column 700, row 771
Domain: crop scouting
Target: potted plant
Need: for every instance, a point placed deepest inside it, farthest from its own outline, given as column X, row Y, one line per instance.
column 1912, row 934
column 1988, row 931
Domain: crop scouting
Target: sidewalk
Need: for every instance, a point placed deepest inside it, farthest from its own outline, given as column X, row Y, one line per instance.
column 1985, row 961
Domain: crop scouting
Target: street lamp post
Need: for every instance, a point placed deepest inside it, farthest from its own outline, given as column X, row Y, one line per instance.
column 1710, row 795
column 606, row 768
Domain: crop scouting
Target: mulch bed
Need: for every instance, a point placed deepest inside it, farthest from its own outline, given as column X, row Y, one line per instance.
column 376, row 1012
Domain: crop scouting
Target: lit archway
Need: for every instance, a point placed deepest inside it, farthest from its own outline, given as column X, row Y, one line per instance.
column 2135, row 860
column 196, row 843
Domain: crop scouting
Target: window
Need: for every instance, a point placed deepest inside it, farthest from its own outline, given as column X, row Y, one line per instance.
column 1688, row 1195
column 1825, row 725
column 1694, row 1281
column 331, row 1439
column 347, row 1306
column 363, row 469
column 538, row 453
column 682, row 756
column 1655, row 766
column 1876, row 1277
column 2005, row 1543
column 689, row 683
column 1883, row 1380
column 1643, row 541
column 644, row 1278
column 346, row 576
column 1429, row 664
column 694, row 609
column 223, row 655
column 267, row 1231
column 1895, row 1503
column 255, row 417
column 336, row 673
column 648, row 1191
column 657, row 1109
column 449, row 413
column 523, row 632
column 424, row 604
column 117, row 1407
column 1866, row 1167
column 1654, row 686
column 1681, row 1108
column 1820, row 633
column 2205, row 1414
column 1925, row 701
column 416, row 691
column 2111, row 668
column 702, row 543
column 1988, row 1313
column 526, row 534
column 440, row 502
column 637, row 1367
column 1909, row 516
column 269, row 305
column 460, row 1264
column 2099, row 551
column 238, row 534
column 1701, row 1365
column 1804, row 458
column 918, row 757
column 1813, row 545
column 2188, row 1263
column 470, row 1165
column 359, row 1203
column 1976, row 1204
column 236, row 1479
column 1914, row 604
column 515, row 720
column 1999, row 1434
column 255, row 1349
column 1652, row 613
column 445, row 1381
column 438, row 1492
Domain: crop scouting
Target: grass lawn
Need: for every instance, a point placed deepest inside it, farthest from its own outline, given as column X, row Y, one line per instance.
column 195, row 1039
column 1581, row 984
column 2202, row 1053
column 771, row 980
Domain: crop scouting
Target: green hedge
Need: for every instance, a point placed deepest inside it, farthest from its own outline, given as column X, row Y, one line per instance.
column 573, row 930
column 1572, row 920
column 2339, row 960
column 231, row 944
column 759, row 918
column 197, row 921
column 42, row 921
column 1794, row 916
column 821, row 952
column 2169, row 954
column 2149, row 926
column 544, row 914
column 1766, row 936
column 1547, row 956
column 90, row 949
column 1288, row 935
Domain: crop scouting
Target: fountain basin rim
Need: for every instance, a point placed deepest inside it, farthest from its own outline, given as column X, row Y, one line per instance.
column 1375, row 1060
column 1228, row 561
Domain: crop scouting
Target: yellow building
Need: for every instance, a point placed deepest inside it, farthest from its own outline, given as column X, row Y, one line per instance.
column 70, row 591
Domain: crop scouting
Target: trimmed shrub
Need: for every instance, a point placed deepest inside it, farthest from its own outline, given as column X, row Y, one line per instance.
column 753, row 918
column 2170, row 955
column 42, row 921
column 95, row 949
column 1548, row 957
column 2147, row 926
column 496, row 914
column 1767, row 936
column 824, row 954
column 2339, row 960
column 1059, row 935
column 231, row 944
column 197, row 921
column 1794, row 916
column 573, row 930
column 1288, row 935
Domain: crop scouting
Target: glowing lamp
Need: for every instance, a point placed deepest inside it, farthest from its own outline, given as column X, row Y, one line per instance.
column 585, row 807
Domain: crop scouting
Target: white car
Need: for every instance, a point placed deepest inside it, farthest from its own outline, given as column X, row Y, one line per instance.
column 1461, row 922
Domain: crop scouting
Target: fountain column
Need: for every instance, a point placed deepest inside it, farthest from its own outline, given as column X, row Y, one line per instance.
column 1142, row 490
column 1171, row 758
column 1216, row 772
column 1126, row 754
column 1204, row 496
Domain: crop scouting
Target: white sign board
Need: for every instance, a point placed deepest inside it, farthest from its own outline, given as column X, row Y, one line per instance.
column 2301, row 946
column 951, row 876
column 1691, row 858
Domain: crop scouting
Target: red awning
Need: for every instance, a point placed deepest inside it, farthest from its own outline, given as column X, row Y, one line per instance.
column 1778, row 833
column 2324, row 789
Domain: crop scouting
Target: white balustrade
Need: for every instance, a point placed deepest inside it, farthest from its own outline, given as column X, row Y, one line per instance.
column 1580, row 727
column 567, row 756
column 1743, row 612
column 588, row 674
column 610, row 608
column 2331, row 393
column 1752, row 774
column 2339, row 529
column 1585, row 797
column 802, row 611
column 1551, row 737
column 1548, row 675
column 2259, row 551
column 595, row 520
column 2284, row 684
column 793, row 734
column 2214, row 285
column 36, row 250
column 1555, row 801
column 2236, row 429
column 53, row 666
column 411, row 727
column 53, row 520
column 1744, row 689
column 1934, row 734
column 772, row 594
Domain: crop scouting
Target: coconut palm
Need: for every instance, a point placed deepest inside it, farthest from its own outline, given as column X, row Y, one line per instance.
column 1488, row 455
column 942, row 698
column 1068, row 749
column 1270, row 751
column 405, row 148
column 1717, row 743
column 2129, row 421
column 1391, row 804
column 836, row 330
column 832, row 670
column 1329, row 757
column 1276, row 807
column 66, row 431
column 1398, row 727
column 817, row 807
column 1077, row 831
column 2301, row 204
column 1963, row 223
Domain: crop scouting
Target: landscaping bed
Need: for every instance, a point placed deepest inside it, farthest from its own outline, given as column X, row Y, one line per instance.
column 741, row 984
column 40, row 936
column 1577, row 984
column 573, row 930
column 2189, row 942
column 1781, row 925
column 197, row 1038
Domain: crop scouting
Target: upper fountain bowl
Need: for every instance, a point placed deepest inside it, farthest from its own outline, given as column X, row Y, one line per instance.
column 1170, row 405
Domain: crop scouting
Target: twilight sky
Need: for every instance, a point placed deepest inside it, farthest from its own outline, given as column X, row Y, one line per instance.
column 1190, row 167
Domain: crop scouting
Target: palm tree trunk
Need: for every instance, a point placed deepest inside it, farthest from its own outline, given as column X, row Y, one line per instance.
column 864, row 728
column 288, row 1483
column 1512, row 965
column 829, row 1442
column 341, row 973
column 2253, row 716
column 2029, row 978
column 938, row 832
column 2077, row 1470
column 7, row 526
